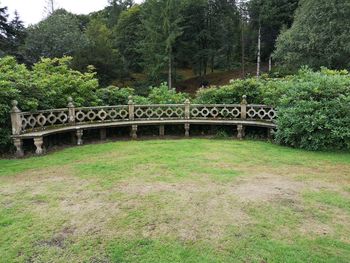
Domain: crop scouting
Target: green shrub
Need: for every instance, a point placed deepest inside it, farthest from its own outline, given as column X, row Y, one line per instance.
column 164, row 95
column 114, row 96
column 232, row 93
column 314, row 113
column 47, row 85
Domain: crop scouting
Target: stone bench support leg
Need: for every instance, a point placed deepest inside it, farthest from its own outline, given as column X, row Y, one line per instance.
column 19, row 147
column 134, row 132
column 161, row 131
column 38, row 142
column 270, row 133
column 80, row 137
column 73, row 138
column 187, row 130
column 241, row 132
column 103, row 134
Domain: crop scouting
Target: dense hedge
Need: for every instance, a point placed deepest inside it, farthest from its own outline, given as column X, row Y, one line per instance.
column 314, row 112
column 313, row 107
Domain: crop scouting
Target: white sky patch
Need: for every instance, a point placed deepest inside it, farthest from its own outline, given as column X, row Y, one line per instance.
column 32, row 11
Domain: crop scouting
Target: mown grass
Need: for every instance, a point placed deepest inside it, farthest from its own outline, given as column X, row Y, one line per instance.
column 176, row 201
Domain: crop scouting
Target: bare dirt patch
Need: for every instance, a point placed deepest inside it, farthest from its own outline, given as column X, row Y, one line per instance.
column 266, row 187
column 59, row 239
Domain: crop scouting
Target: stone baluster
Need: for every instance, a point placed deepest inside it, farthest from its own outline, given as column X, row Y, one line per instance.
column 79, row 134
column 187, row 109
column 38, row 142
column 240, row 132
column 161, row 131
column 19, row 147
column 244, row 107
column 134, row 132
column 71, row 111
column 131, row 109
column 187, row 130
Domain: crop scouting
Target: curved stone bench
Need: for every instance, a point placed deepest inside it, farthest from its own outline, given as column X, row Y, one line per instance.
column 37, row 125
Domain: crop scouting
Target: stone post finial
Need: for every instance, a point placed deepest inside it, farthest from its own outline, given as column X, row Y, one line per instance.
column 130, row 100
column 244, row 99
column 70, row 102
column 14, row 106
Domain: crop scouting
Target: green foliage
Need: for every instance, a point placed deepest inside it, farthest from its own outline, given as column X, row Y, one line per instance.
column 100, row 53
column 314, row 113
column 320, row 36
column 57, row 36
column 128, row 35
column 271, row 16
column 161, row 22
column 118, row 96
column 47, row 85
column 232, row 93
column 164, row 95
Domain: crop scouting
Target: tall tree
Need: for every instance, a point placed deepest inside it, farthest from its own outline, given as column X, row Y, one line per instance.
column 56, row 36
column 319, row 36
column 50, row 7
column 162, row 28
column 268, row 17
column 5, row 30
column 17, row 37
column 128, row 34
column 100, row 53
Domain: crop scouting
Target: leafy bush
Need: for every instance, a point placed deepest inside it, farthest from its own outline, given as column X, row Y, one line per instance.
column 232, row 94
column 163, row 95
column 119, row 96
column 314, row 113
column 47, row 85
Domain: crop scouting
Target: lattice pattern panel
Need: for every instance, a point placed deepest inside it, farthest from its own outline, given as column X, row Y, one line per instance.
column 41, row 119
column 101, row 114
column 157, row 112
column 215, row 112
column 261, row 113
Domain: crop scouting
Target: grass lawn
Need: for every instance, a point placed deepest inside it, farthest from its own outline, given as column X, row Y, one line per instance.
column 192, row 200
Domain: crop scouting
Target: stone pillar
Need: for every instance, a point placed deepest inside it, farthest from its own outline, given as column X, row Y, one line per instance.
column 241, row 132
column 187, row 130
column 39, row 141
column 103, row 134
column 19, row 147
column 187, row 109
column 244, row 107
column 71, row 111
column 134, row 132
column 16, row 120
column 80, row 137
column 161, row 131
column 131, row 109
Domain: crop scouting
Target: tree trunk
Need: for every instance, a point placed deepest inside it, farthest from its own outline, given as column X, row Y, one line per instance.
column 243, row 48
column 259, row 53
column 170, row 72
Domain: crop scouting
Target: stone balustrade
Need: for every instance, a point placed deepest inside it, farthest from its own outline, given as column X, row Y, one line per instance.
column 35, row 125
